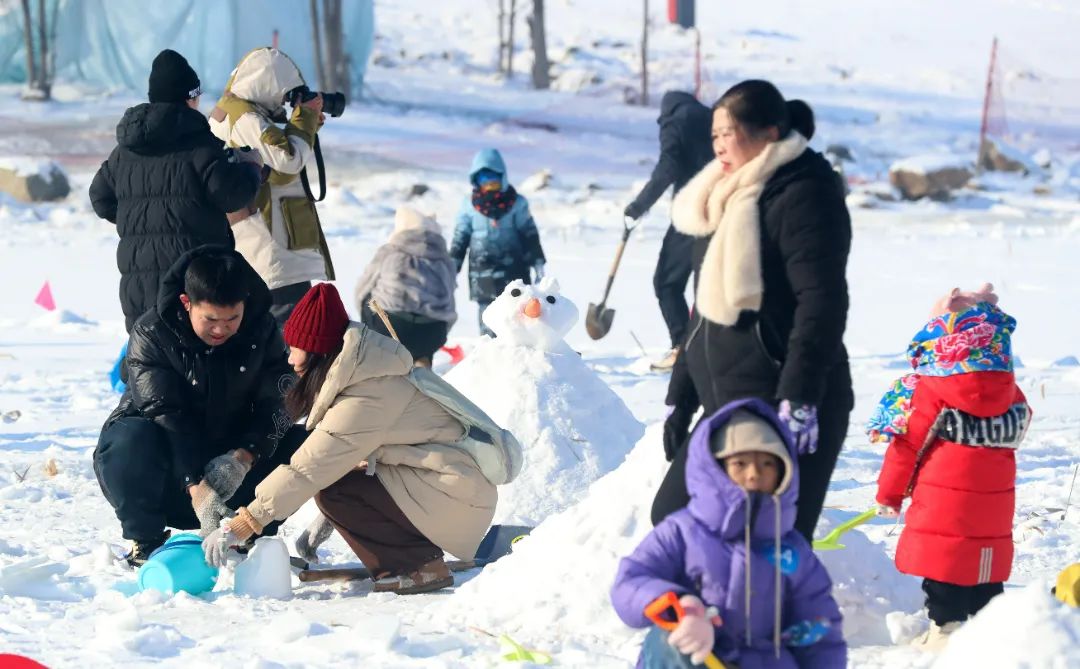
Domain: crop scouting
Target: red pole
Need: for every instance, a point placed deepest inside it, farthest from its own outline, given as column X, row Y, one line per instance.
column 697, row 63
column 986, row 101
column 275, row 40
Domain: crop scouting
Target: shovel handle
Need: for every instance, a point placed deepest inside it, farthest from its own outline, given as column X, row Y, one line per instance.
column 615, row 265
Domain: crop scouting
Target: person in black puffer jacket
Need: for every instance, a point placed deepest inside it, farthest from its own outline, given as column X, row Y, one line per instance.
column 168, row 184
column 684, row 149
column 768, row 321
column 202, row 421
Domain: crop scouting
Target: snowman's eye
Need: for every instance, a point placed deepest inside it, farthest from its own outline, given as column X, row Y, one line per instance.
column 551, row 299
column 515, row 292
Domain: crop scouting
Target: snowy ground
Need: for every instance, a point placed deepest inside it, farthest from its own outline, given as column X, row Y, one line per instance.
column 432, row 112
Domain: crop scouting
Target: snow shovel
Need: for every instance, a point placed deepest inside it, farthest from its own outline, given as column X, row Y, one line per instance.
column 831, row 541
column 656, row 611
column 598, row 318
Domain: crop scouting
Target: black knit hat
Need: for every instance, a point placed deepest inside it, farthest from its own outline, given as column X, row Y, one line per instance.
column 172, row 79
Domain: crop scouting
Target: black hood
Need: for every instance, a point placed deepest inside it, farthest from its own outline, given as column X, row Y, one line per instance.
column 171, row 311
column 673, row 101
column 810, row 166
column 157, row 127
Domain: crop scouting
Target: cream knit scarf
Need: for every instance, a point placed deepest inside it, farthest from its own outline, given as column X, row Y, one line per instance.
column 726, row 207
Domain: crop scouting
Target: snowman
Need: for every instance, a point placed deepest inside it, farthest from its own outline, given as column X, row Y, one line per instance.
column 572, row 426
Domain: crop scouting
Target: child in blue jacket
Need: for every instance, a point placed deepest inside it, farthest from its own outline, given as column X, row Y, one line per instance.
column 496, row 229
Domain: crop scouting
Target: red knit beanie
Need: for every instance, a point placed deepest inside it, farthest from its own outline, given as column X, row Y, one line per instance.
column 318, row 322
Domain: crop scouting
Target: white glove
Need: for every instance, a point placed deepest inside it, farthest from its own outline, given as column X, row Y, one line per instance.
column 538, row 272
column 694, row 635
column 884, row 511
column 217, row 544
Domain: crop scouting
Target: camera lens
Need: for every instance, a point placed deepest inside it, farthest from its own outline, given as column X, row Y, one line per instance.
column 334, row 104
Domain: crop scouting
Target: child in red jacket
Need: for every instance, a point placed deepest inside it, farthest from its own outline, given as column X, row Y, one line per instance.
column 953, row 427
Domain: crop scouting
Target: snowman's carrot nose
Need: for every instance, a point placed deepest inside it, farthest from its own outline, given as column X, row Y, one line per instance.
column 532, row 308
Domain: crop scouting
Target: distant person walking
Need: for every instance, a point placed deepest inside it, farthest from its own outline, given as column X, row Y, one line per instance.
column 684, row 149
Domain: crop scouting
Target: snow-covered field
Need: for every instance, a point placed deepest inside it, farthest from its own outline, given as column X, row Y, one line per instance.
column 890, row 81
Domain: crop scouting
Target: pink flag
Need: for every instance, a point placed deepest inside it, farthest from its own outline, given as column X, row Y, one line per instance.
column 44, row 298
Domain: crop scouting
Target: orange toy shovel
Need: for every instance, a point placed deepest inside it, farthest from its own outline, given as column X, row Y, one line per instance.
column 655, row 612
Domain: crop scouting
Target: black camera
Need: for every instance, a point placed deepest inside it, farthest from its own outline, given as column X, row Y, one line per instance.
column 333, row 103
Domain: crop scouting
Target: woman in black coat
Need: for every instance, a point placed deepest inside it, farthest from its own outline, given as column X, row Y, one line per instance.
column 773, row 236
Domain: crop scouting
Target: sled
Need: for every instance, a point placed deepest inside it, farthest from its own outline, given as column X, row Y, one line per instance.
column 362, row 573
column 497, row 543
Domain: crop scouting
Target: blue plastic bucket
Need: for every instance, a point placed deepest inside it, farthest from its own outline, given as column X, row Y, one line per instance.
column 178, row 565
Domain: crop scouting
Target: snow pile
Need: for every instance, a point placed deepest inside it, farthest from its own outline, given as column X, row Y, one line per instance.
column 1021, row 628
column 28, row 166
column 867, row 586
column 572, row 426
column 931, row 163
column 62, row 320
column 555, row 585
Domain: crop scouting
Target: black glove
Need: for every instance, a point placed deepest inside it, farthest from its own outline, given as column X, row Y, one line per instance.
column 676, row 430
column 634, row 211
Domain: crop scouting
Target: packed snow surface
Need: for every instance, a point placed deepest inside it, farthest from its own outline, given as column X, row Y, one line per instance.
column 898, row 86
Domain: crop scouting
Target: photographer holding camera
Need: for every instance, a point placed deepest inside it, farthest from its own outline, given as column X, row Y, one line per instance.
column 279, row 233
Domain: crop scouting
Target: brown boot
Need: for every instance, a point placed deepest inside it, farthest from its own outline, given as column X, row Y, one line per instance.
column 434, row 575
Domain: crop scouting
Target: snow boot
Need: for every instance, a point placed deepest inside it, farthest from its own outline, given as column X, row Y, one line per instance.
column 935, row 638
column 141, row 550
column 667, row 362
column 434, row 575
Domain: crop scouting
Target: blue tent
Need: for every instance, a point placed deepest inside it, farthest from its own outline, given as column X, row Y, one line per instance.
column 111, row 43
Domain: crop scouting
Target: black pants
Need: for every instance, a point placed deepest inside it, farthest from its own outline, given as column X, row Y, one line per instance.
column 948, row 603
column 673, row 269
column 134, row 469
column 285, row 299
column 815, row 471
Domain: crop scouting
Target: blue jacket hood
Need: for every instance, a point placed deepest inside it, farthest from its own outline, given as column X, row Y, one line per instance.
column 490, row 159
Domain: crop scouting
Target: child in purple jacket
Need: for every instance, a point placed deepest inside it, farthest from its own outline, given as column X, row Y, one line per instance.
column 753, row 591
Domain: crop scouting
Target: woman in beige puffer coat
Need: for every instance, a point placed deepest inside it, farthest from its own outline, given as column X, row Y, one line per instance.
column 402, row 465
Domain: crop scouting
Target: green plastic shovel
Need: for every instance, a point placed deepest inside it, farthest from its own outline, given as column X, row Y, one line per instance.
column 831, row 542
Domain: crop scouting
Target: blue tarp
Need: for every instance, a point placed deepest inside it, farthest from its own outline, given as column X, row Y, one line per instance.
column 110, row 43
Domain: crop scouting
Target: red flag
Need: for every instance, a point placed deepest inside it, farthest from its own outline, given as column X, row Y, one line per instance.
column 44, row 298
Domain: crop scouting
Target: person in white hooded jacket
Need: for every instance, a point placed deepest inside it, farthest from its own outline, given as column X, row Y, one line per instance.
column 279, row 234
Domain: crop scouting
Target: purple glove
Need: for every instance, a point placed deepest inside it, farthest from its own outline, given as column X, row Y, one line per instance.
column 802, row 420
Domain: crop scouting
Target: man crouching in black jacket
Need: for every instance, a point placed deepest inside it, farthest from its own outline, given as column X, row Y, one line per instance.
column 202, row 421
